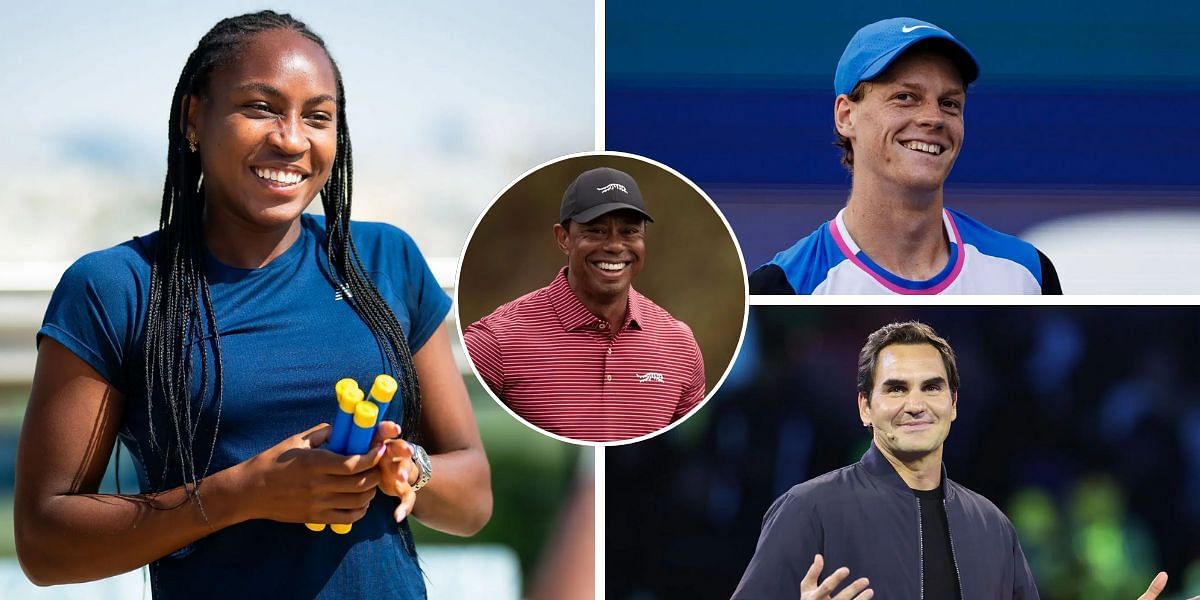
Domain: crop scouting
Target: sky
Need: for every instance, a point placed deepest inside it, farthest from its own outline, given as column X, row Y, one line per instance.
column 447, row 103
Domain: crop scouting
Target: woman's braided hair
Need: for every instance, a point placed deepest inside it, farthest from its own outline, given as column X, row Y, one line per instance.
column 180, row 306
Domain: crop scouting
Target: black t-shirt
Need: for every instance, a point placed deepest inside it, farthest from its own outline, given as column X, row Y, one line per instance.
column 939, row 576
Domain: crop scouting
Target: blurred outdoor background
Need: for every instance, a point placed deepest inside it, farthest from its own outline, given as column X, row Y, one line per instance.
column 1080, row 131
column 1081, row 423
column 691, row 266
column 447, row 104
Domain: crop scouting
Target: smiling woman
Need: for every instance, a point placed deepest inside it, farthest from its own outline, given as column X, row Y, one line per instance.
column 271, row 126
column 211, row 348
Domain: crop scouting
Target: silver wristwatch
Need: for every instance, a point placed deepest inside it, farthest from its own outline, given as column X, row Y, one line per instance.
column 421, row 457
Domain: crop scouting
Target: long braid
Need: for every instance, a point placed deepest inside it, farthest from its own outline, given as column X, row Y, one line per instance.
column 180, row 308
column 364, row 296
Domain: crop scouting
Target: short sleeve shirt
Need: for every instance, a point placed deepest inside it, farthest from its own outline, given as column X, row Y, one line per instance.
column 981, row 261
column 286, row 336
column 561, row 368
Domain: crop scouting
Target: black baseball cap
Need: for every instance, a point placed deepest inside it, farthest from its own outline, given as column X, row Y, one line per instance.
column 598, row 192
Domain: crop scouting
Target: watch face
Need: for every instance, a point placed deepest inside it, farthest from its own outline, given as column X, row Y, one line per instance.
column 422, row 458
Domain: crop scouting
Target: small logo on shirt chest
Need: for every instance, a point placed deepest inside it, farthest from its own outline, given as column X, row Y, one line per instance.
column 651, row 376
column 342, row 292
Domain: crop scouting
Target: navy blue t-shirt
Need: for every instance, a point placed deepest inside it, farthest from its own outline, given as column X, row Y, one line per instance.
column 286, row 337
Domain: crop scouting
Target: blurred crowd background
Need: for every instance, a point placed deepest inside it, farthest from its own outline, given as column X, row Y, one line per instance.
column 1080, row 131
column 446, row 103
column 1081, row 423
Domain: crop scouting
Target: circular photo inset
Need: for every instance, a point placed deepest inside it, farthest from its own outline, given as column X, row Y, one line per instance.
column 602, row 298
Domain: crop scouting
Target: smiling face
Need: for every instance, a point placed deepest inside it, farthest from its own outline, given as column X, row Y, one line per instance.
column 911, row 405
column 908, row 127
column 266, row 131
column 603, row 255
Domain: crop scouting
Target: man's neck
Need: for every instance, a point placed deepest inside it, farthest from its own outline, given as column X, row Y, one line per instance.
column 899, row 228
column 611, row 309
column 919, row 472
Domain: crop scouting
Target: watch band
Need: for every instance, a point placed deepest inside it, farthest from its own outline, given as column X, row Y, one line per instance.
column 421, row 457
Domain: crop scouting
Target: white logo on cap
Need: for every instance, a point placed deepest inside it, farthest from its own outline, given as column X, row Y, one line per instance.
column 612, row 186
column 908, row 29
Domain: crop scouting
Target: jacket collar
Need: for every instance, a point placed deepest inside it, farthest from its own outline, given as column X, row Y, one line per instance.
column 878, row 466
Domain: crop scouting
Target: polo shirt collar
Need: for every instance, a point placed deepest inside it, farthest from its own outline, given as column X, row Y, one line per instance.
column 572, row 314
column 633, row 316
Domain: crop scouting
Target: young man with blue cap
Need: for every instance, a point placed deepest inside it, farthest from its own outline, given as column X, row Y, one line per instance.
column 901, row 86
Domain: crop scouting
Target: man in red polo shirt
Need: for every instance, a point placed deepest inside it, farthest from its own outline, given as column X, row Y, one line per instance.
column 588, row 357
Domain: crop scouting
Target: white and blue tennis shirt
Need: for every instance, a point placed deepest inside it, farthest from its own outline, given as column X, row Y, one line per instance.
column 982, row 261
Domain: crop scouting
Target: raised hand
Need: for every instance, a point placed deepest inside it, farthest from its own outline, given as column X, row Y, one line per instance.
column 1157, row 585
column 809, row 590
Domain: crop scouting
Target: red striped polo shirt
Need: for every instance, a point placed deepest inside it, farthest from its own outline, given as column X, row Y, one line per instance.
column 556, row 364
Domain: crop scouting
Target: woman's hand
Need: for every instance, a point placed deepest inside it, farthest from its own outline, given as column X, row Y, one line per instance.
column 295, row 481
column 66, row 531
column 458, row 499
column 397, row 470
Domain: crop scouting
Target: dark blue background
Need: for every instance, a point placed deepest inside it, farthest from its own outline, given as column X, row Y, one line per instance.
column 1084, row 106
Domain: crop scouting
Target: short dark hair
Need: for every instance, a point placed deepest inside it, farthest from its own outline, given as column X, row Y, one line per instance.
column 908, row 333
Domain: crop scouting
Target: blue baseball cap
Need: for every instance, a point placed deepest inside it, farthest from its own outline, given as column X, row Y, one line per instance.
column 876, row 46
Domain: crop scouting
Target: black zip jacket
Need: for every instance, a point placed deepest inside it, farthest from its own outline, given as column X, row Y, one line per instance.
column 865, row 517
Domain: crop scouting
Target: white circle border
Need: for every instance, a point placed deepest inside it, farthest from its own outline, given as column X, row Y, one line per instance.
column 745, row 296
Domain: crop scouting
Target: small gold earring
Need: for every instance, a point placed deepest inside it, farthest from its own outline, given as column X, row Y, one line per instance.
column 191, row 140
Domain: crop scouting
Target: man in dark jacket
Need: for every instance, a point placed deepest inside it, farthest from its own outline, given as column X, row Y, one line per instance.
column 894, row 518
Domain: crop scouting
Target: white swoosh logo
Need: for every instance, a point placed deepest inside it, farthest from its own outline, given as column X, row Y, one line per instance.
column 907, row 29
